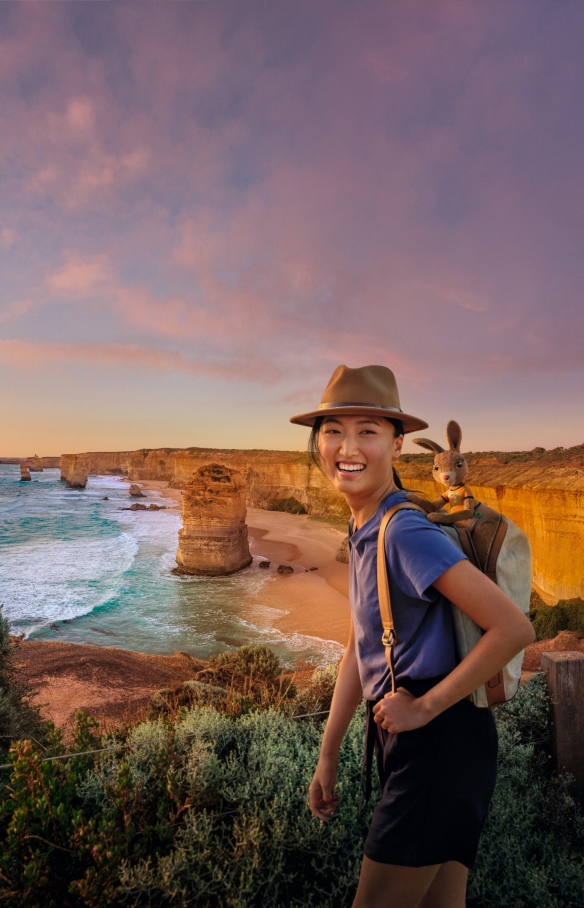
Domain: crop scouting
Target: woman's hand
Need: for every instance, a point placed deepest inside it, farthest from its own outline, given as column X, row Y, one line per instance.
column 401, row 712
column 322, row 789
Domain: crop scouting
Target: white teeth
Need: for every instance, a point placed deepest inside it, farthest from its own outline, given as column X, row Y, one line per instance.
column 351, row 467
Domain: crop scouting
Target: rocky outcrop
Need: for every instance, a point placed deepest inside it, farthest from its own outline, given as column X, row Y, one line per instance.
column 96, row 463
column 343, row 551
column 34, row 464
column 77, row 478
column 66, row 462
column 136, row 491
column 213, row 539
column 24, row 473
column 541, row 491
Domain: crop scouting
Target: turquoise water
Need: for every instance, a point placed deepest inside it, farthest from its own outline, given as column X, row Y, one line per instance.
column 74, row 567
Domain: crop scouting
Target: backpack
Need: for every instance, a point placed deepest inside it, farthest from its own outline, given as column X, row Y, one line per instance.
column 499, row 549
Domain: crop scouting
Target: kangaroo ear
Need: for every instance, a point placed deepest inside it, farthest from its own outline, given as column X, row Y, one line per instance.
column 454, row 435
column 429, row 445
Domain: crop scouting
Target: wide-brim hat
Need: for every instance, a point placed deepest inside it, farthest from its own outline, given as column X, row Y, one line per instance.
column 370, row 390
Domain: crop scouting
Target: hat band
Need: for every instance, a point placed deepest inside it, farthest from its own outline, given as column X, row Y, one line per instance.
column 353, row 403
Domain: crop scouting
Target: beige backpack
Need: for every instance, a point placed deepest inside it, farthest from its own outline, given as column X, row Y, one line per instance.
column 498, row 548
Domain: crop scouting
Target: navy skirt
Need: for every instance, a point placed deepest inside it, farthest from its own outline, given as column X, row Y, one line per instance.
column 437, row 782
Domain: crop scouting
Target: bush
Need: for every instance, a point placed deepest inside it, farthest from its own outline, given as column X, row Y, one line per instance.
column 549, row 620
column 290, row 505
column 18, row 719
column 532, row 849
column 210, row 811
column 317, row 695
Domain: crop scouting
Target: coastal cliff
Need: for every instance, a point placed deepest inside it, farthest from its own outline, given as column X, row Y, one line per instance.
column 213, row 539
column 541, row 491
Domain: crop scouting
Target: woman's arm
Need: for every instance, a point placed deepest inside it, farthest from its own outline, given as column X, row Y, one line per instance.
column 507, row 631
column 346, row 698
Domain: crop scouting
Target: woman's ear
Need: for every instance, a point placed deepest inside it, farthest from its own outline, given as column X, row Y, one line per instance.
column 399, row 443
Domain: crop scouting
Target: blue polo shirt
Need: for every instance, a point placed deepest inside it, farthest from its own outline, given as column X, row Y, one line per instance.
column 418, row 552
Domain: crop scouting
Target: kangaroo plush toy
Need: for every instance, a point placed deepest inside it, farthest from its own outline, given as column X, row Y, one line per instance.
column 450, row 469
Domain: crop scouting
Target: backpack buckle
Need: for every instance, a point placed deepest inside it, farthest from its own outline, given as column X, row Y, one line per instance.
column 389, row 637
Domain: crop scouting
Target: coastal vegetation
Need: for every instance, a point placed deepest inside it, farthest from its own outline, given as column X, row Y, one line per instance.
column 204, row 804
column 289, row 505
column 18, row 719
column 549, row 620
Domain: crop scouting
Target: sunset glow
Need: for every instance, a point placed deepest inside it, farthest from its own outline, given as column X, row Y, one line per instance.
column 206, row 207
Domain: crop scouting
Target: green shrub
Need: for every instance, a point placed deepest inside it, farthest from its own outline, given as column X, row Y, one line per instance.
column 532, row 849
column 290, row 505
column 317, row 695
column 549, row 620
column 574, row 611
column 18, row 719
column 253, row 677
column 210, row 811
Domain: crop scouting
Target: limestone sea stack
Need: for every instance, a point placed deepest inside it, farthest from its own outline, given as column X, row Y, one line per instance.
column 77, row 477
column 24, row 473
column 35, row 465
column 136, row 491
column 67, row 462
column 213, row 539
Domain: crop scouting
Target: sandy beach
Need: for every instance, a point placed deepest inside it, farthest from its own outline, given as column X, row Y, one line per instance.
column 315, row 602
column 161, row 486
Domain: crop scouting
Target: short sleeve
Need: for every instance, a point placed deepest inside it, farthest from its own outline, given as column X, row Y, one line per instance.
column 418, row 552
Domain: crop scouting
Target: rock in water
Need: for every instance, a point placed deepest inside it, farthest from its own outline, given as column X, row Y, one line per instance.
column 24, row 473
column 343, row 551
column 77, row 479
column 136, row 491
column 285, row 569
column 213, row 539
column 265, row 564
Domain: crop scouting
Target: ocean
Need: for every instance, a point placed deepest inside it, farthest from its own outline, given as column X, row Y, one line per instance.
column 76, row 567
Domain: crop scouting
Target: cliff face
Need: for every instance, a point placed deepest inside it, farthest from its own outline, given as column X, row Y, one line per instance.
column 544, row 498
column 543, row 492
column 95, row 463
column 268, row 475
column 213, row 539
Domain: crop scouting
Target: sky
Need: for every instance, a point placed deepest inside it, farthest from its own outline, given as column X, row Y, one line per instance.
column 205, row 207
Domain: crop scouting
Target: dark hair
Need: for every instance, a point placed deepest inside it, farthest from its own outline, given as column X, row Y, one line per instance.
column 398, row 428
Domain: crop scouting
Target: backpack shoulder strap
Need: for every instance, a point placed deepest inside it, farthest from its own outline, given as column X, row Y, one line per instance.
column 490, row 569
column 467, row 546
column 389, row 638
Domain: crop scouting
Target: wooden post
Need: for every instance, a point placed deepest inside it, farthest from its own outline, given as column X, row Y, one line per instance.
column 565, row 680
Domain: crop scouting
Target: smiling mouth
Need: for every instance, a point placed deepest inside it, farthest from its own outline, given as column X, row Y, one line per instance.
column 350, row 467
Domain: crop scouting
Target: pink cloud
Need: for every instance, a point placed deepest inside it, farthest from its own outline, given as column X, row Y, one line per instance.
column 271, row 196
column 27, row 355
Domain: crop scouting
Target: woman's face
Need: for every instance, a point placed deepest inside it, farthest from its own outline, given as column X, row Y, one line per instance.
column 356, row 453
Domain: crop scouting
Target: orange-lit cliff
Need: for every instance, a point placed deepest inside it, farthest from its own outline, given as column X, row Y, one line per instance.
column 543, row 492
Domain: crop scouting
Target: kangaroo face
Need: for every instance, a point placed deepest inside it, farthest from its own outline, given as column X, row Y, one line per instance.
column 450, row 468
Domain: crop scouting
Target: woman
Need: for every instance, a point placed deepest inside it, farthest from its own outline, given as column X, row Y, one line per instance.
column 436, row 751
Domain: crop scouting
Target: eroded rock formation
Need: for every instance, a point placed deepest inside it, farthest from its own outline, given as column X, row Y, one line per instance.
column 136, row 491
column 213, row 539
column 542, row 491
column 24, row 473
column 77, row 477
